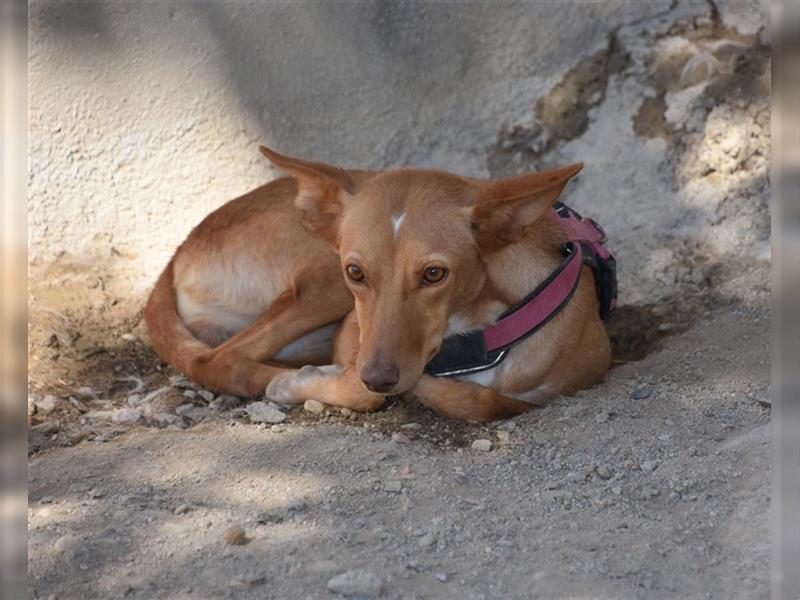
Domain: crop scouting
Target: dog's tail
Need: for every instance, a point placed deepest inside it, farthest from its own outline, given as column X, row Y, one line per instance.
column 170, row 338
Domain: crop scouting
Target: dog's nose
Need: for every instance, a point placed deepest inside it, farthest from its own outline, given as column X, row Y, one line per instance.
column 379, row 377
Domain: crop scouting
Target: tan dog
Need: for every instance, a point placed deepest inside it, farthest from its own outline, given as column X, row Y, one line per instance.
column 385, row 265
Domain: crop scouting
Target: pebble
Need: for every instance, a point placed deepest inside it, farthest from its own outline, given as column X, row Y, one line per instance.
column 126, row 416
column 85, row 392
column 189, row 393
column 649, row 466
column 97, row 493
column 183, row 409
column 482, row 445
column 206, row 395
column 400, row 438
column 47, row 404
column 346, row 412
column 642, row 392
column 411, row 425
column 129, row 337
column 278, row 428
column 605, row 471
column 46, row 500
column 359, row 582
column 47, row 427
column 197, row 413
column 441, row 577
column 248, row 581
column 235, row 536
column 99, row 414
column 393, row 486
column 314, row 407
column 183, row 509
column 504, row 436
column 509, row 426
column 297, row 505
column 165, row 419
column 269, row 517
column 427, row 540
column 602, row 417
column 260, row 412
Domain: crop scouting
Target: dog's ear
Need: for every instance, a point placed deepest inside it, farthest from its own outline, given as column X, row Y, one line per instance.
column 502, row 210
column 322, row 191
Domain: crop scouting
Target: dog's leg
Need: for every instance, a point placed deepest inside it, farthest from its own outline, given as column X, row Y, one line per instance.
column 336, row 385
column 236, row 366
column 467, row 401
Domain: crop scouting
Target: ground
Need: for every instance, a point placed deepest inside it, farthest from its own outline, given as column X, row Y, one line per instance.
column 653, row 484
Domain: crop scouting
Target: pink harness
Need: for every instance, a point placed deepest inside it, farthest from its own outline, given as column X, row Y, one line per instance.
column 483, row 349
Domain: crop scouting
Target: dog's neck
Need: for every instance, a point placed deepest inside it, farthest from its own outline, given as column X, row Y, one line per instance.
column 511, row 273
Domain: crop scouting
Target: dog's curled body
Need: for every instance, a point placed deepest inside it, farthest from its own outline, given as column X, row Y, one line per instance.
column 259, row 286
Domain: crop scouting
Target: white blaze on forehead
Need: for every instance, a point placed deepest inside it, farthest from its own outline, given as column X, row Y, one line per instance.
column 397, row 221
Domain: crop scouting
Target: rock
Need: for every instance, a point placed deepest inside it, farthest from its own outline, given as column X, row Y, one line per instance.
column 509, row 426
column 763, row 398
column 504, row 436
column 129, row 337
column 183, row 409
column 47, row 404
column 359, row 582
column 269, row 517
column 605, row 471
column 190, row 393
column 400, row 438
column 235, row 536
column 86, row 392
column 165, row 419
column 297, row 505
column 97, row 493
column 46, row 500
column 206, row 395
column 346, row 412
column 197, row 413
column 602, row 417
column 183, row 509
column 642, row 392
column 393, row 486
column 99, row 414
column 47, row 427
column 482, row 445
column 649, row 466
column 260, row 412
column 441, row 577
column 411, row 425
column 314, row 406
column 126, row 416
column 427, row 540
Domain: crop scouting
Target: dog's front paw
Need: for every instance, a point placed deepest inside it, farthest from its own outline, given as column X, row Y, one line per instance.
column 287, row 389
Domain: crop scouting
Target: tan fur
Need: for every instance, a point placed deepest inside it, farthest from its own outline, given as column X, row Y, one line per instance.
column 270, row 267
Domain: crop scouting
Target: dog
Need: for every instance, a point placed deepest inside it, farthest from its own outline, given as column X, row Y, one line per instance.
column 382, row 283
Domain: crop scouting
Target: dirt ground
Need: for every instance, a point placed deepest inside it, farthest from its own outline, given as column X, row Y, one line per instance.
column 653, row 484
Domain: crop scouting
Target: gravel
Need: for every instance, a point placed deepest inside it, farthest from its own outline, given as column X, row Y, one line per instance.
column 482, row 445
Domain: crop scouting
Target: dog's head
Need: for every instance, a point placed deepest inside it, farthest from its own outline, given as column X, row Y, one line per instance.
column 412, row 245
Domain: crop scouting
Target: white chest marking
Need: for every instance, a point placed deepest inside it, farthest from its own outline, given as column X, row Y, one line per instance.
column 397, row 221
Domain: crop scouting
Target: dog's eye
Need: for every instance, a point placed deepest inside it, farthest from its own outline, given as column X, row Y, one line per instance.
column 434, row 274
column 355, row 273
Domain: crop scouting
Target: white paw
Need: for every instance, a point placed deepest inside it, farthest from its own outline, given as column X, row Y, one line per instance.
column 287, row 389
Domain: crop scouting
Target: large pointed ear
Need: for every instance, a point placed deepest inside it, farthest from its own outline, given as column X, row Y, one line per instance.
column 503, row 209
column 322, row 191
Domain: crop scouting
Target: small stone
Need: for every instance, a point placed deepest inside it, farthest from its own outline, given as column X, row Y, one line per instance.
column 399, row 438
column 278, row 428
column 236, row 536
column 183, row 409
column 190, row 393
column 197, row 413
column 314, row 407
column 297, row 505
column 763, row 398
column 97, row 493
column 509, row 426
column 482, row 445
column 602, row 417
column 47, row 427
column 260, row 412
column 642, row 392
column 504, row 436
column 206, row 395
column 126, row 416
column 47, row 404
column 346, row 412
column 605, row 471
column 393, row 486
column 441, row 576
column 46, row 500
column 411, row 426
column 665, row 327
column 129, row 337
column 85, row 392
column 359, row 583
column 165, row 419
column 649, row 466
column 99, row 414
column 427, row 540
column 268, row 518
column 183, row 509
